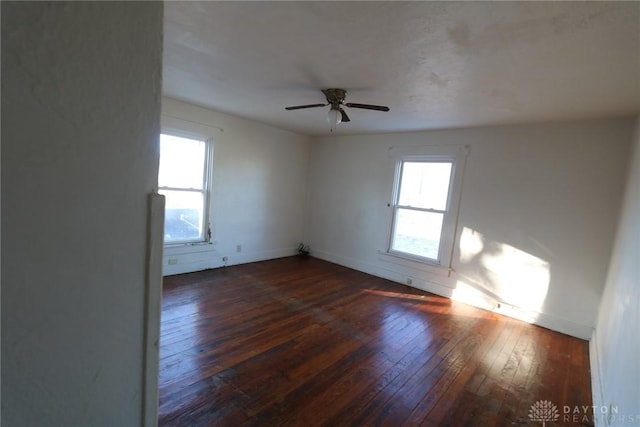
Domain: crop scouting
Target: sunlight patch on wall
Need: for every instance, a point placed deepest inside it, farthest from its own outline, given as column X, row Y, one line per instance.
column 471, row 244
column 500, row 272
column 520, row 278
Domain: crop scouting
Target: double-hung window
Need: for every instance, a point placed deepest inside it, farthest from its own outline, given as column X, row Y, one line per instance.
column 184, row 181
column 425, row 203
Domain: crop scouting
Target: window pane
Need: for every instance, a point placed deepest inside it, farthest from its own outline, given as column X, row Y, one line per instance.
column 181, row 162
column 183, row 216
column 417, row 233
column 425, row 184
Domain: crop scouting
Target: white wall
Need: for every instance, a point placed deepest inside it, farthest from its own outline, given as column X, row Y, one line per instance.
column 615, row 347
column 538, row 211
column 81, row 89
column 259, row 189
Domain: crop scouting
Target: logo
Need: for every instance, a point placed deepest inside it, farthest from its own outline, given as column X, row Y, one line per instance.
column 543, row 410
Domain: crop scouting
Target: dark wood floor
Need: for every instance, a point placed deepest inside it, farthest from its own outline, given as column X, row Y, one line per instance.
column 303, row 342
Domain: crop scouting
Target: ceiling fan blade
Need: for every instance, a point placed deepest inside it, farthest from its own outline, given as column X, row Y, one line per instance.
column 299, row 107
column 345, row 118
column 367, row 106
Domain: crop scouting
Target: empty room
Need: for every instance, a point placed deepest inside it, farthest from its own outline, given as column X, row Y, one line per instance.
column 320, row 213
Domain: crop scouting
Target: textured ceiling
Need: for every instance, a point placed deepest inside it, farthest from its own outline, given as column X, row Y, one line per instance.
column 435, row 64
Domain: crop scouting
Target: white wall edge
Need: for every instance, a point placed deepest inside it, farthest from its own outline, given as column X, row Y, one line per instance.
column 597, row 393
column 537, row 318
column 153, row 309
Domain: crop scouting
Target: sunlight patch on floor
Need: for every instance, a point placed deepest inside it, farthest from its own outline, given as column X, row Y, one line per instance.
column 401, row 295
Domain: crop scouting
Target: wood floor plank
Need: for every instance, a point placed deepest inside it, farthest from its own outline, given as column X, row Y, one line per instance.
column 438, row 402
column 303, row 342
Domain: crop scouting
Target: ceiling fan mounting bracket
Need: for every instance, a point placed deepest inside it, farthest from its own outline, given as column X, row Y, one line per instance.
column 335, row 96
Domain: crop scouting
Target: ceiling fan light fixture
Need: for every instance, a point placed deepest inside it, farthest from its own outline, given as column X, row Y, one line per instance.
column 334, row 117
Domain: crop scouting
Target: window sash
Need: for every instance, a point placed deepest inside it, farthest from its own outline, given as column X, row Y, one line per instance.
column 429, row 193
column 184, row 222
column 193, row 190
column 413, row 208
column 181, row 153
column 419, row 242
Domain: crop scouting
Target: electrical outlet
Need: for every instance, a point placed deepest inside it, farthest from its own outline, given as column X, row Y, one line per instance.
column 173, row 261
column 239, row 248
column 409, row 281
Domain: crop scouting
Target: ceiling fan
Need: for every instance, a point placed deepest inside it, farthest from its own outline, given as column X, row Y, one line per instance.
column 335, row 98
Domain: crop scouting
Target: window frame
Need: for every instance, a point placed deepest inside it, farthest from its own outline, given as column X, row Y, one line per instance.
column 456, row 155
column 204, row 238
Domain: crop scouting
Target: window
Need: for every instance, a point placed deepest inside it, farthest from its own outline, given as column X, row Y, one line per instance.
column 425, row 204
column 183, row 179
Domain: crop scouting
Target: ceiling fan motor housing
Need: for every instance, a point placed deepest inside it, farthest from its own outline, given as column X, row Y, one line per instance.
column 335, row 96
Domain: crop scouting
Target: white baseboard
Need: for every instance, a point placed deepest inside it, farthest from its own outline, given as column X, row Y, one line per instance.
column 188, row 258
column 596, row 384
column 436, row 283
column 424, row 285
column 344, row 261
column 187, row 267
column 439, row 285
column 386, row 273
column 245, row 258
column 548, row 321
column 189, row 263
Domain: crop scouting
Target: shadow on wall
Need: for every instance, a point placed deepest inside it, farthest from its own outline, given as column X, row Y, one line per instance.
column 494, row 272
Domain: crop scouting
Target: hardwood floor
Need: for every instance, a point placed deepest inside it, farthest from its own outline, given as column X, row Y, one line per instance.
column 303, row 342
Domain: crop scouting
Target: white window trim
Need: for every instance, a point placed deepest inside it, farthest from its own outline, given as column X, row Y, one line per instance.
column 456, row 154
column 208, row 185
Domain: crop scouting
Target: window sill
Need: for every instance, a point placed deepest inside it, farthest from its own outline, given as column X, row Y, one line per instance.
column 178, row 248
column 422, row 265
column 172, row 245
